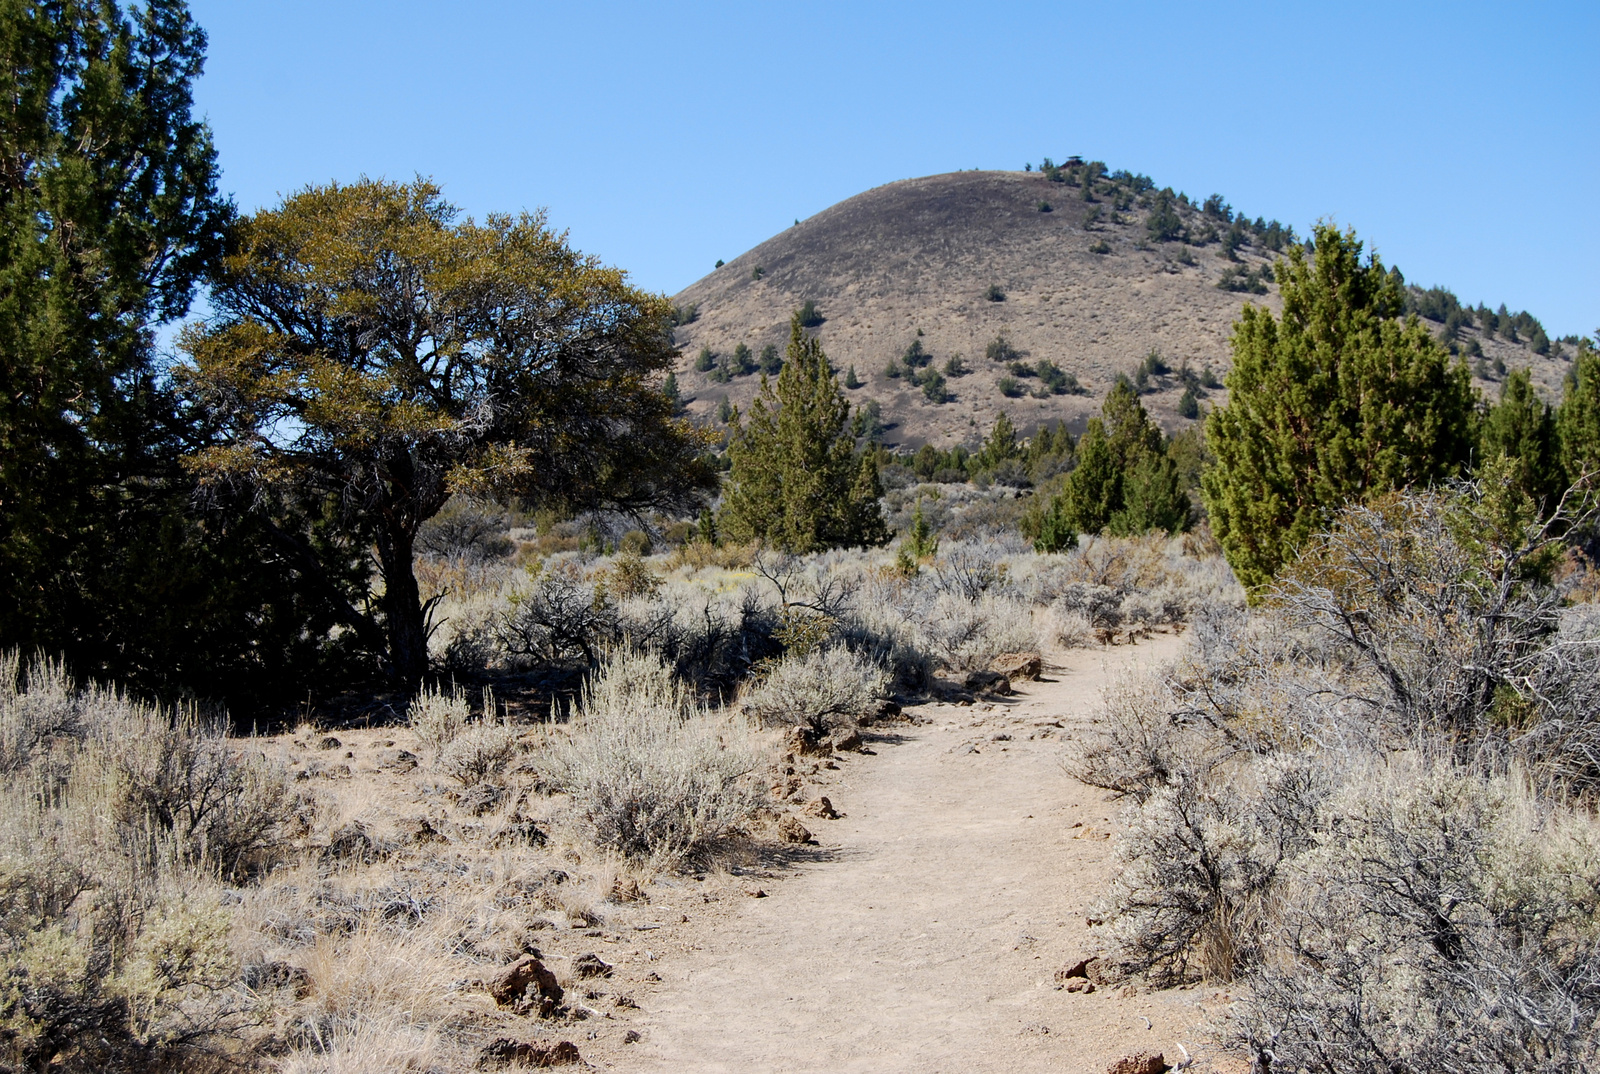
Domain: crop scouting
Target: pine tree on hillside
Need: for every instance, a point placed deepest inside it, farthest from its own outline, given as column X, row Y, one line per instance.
column 795, row 478
column 1337, row 401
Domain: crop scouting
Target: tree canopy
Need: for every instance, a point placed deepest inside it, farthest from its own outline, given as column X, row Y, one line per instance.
column 1124, row 483
column 795, row 479
column 373, row 352
column 1338, row 401
column 109, row 216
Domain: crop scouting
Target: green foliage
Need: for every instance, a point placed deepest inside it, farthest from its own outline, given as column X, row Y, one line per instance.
column 742, row 361
column 1000, row 446
column 1522, row 430
column 682, row 315
column 368, row 348
column 955, row 367
column 920, row 541
column 868, row 422
column 893, row 370
column 852, row 381
column 109, row 216
column 915, row 356
column 1001, row 350
column 1188, row 405
column 809, row 316
column 1044, row 207
column 757, row 272
column 1055, row 531
column 705, row 361
column 1100, row 247
column 727, row 413
column 669, row 388
column 1057, row 381
column 1339, row 401
column 771, row 361
column 1578, row 418
column 1124, row 484
column 995, row 293
column 1163, row 224
column 933, row 387
column 1009, row 387
column 796, row 480
column 1251, row 280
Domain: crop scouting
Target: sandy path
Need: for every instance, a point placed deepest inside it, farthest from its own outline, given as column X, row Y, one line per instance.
column 927, row 936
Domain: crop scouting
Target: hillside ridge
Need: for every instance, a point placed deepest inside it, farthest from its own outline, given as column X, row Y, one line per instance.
column 1004, row 270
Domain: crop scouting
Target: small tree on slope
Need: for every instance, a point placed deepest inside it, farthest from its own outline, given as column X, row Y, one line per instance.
column 796, row 480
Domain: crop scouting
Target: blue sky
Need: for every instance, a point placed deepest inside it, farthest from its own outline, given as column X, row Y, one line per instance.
column 1461, row 139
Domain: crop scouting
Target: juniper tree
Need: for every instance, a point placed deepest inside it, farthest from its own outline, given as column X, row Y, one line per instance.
column 1578, row 418
column 1337, row 401
column 109, row 215
column 1124, row 484
column 1521, row 428
column 371, row 350
column 795, row 479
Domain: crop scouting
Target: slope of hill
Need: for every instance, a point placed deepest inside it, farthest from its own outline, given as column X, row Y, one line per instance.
column 955, row 262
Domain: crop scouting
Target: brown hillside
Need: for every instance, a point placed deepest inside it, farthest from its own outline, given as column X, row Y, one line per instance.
column 923, row 253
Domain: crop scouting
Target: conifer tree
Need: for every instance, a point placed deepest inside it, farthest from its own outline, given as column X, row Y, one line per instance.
column 1521, row 428
column 1578, row 419
column 1001, row 445
column 1337, row 401
column 109, row 215
column 1124, row 483
column 795, row 479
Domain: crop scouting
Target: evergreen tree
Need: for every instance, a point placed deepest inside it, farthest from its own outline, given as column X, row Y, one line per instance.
column 1001, row 445
column 1124, row 483
column 1055, row 530
column 851, row 380
column 1578, row 419
column 795, row 478
column 1522, row 429
column 1338, row 401
column 1093, row 492
column 109, row 215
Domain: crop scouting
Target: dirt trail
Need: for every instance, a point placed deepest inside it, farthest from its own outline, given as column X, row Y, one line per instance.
column 926, row 935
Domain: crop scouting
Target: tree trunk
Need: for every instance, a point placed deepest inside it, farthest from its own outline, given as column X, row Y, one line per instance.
column 402, row 610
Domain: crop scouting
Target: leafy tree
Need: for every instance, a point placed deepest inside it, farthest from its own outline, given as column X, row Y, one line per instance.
column 796, row 480
column 1338, row 401
column 1188, row 405
column 705, row 361
column 372, row 351
column 771, row 360
column 742, row 361
column 933, row 387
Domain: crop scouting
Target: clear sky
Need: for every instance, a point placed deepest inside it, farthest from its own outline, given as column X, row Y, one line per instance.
column 1461, row 139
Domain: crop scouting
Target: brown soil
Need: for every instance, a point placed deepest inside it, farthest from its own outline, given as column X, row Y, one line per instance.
column 922, row 253
column 923, row 931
